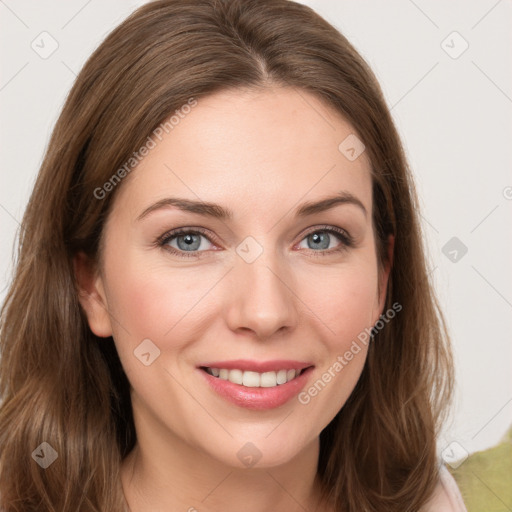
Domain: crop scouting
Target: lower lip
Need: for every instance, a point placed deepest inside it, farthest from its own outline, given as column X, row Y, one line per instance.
column 257, row 398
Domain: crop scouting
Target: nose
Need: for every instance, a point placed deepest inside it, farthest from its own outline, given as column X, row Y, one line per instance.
column 262, row 298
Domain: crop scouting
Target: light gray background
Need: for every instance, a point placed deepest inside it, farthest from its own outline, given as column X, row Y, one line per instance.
column 454, row 115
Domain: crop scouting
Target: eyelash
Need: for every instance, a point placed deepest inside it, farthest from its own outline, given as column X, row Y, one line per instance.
column 346, row 240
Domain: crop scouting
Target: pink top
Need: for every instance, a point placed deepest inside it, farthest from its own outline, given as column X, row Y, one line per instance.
column 446, row 497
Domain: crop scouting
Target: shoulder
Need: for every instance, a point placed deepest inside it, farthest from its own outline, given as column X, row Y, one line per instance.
column 446, row 496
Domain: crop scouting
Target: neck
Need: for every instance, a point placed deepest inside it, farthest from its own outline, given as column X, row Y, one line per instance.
column 165, row 473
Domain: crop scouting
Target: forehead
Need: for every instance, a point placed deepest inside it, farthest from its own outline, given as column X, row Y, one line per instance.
column 254, row 151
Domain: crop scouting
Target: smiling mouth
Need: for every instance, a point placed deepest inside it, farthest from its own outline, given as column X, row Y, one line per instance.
column 251, row 379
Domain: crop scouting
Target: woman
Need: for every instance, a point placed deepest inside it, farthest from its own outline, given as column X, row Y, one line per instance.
column 221, row 300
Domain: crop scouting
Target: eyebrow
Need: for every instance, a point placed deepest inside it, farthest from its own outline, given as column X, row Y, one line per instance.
column 217, row 211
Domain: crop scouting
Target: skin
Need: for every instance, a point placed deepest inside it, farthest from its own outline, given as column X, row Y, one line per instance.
column 260, row 154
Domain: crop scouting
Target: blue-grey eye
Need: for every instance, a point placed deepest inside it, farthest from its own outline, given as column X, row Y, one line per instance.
column 321, row 239
column 188, row 242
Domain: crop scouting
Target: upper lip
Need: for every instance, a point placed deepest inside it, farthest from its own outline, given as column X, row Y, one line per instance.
column 258, row 366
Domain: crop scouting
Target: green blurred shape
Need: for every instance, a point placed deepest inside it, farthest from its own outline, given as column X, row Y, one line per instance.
column 485, row 478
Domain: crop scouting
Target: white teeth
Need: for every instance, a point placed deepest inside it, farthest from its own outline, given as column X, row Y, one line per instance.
column 281, row 376
column 268, row 380
column 251, row 379
column 254, row 379
column 236, row 376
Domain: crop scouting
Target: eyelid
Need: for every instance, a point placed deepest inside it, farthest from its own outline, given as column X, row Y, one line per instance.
column 162, row 239
column 330, row 229
column 346, row 239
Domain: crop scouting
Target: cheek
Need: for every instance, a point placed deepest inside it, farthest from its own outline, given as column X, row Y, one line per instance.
column 150, row 299
column 343, row 300
column 345, row 303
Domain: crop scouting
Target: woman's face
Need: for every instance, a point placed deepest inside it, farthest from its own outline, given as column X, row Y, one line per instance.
column 263, row 285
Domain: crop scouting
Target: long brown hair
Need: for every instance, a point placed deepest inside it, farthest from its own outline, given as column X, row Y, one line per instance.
column 62, row 385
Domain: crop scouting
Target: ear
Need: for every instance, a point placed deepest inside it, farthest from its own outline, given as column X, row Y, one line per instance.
column 384, row 277
column 92, row 295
